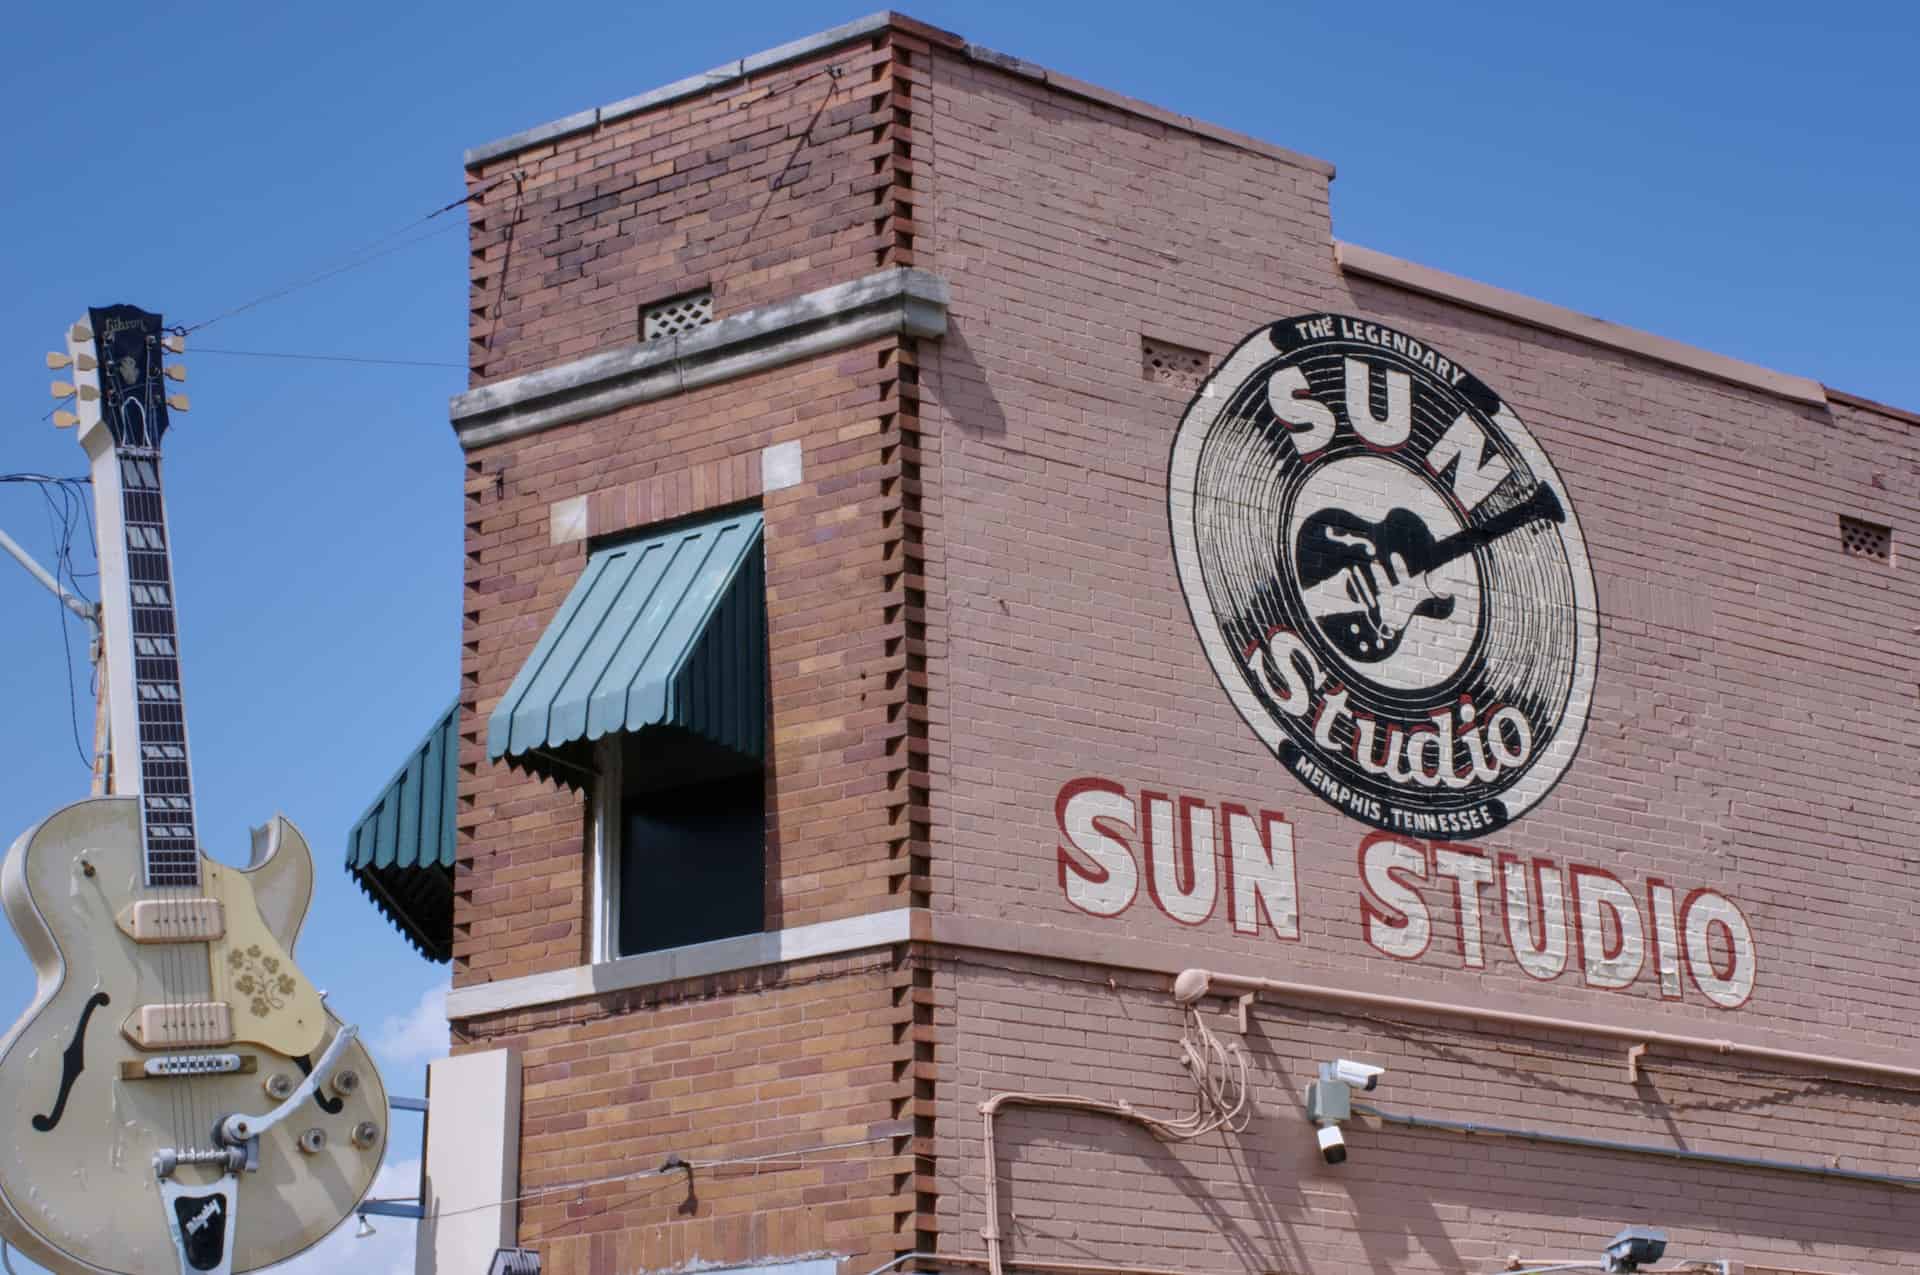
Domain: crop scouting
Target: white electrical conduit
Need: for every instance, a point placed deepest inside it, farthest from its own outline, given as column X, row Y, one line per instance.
column 1220, row 1102
column 1476, row 1129
column 1195, row 984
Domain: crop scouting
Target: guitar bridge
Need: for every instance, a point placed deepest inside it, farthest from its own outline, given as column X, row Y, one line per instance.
column 185, row 1025
column 174, row 1065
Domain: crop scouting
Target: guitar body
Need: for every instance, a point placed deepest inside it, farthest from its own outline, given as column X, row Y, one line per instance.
column 1366, row 582
column 78, row 1190
column 1336, row 546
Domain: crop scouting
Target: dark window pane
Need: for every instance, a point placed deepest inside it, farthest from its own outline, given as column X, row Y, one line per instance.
column 692, row 865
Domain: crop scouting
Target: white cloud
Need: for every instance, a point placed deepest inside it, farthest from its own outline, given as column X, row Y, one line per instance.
column 405, row 1041
column 388, row 1251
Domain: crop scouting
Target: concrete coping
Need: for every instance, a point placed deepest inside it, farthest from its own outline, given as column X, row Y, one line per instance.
column 1369, row 264
column 896, row 301
column 806, row 46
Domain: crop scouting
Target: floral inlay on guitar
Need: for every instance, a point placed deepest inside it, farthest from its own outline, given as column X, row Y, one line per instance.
column 259, row 976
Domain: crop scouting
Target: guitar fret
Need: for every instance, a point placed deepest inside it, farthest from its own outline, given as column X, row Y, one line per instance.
column 166, row 780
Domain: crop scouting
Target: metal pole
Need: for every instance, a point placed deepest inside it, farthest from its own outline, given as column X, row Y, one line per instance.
column 85, row 610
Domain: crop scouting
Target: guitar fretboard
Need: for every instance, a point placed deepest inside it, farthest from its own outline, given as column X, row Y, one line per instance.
column 166, row 781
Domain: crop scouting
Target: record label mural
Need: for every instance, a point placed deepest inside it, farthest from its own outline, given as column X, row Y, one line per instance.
column 1386, row 574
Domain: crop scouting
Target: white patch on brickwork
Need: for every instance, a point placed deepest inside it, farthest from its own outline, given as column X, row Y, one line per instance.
column 568, row 520
column 781, row 465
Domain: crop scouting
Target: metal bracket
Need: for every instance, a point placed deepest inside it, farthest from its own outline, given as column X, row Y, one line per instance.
column 1634, row 1054
column 1245, row 1006
column 237, row 1130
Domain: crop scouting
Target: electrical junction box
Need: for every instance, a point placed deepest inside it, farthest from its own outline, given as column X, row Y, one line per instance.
column 1329, row 1101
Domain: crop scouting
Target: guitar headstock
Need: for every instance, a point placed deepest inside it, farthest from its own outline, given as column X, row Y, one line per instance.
column 117, row 357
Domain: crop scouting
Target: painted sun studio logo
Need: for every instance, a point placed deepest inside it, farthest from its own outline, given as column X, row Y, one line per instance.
column 1386, row 574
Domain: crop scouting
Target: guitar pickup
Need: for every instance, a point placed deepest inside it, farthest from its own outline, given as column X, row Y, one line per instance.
column 175, row 1065
column 184, row 1025
column 174, row 920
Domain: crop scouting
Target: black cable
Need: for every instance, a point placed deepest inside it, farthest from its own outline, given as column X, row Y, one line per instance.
column 64, row 515
column 359, row 257
column 59, row 517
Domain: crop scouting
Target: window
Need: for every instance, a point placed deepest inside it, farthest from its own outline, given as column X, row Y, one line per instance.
column 680, row 833
column 649, row 689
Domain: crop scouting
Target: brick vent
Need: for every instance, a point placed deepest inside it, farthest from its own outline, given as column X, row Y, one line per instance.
column 675, row 315
column 1170, row 364
column 1864, row 539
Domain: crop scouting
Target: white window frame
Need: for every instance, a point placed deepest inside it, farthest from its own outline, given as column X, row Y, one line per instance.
column 605, row 816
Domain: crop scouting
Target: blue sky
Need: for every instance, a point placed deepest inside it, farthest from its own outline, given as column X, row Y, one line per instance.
column 1741, row 178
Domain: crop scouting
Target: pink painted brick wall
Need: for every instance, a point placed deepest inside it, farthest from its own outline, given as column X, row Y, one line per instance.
column 1749, row 734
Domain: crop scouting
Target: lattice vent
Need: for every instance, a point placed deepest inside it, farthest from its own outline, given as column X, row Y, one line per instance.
column 1171, row 364
column 1865, row 539
column 676, row 315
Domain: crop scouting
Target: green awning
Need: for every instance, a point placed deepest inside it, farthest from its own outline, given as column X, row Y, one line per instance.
column 401, row 850
column 669, row 631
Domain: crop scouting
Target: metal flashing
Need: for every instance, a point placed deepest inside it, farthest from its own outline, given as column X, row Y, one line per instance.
column 793, row 50
column 666, row 631
column 1369, row 264
column 725, row 73
column 897, row 301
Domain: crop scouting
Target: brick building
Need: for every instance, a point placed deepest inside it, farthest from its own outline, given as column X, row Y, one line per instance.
column 950, row 549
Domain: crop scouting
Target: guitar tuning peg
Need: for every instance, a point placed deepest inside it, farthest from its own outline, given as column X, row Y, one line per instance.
column 88, row 393
column 85, row 362
column 65, row 419
column 174, row 343
column 63, row 389
column 175, row 372
column 178, row 402
column 57, row 361
column 80, row 332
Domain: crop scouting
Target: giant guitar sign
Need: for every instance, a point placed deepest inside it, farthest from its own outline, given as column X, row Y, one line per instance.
column 179, row 1097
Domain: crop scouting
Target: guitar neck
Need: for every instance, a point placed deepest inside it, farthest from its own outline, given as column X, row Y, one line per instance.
column 159, row 752
column 1541, row 504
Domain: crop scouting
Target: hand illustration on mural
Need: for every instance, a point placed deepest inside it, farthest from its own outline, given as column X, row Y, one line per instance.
column 1365, row 582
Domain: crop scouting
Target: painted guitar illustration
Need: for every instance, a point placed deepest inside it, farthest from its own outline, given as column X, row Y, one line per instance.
column 1365, row 583
column 180, row 1097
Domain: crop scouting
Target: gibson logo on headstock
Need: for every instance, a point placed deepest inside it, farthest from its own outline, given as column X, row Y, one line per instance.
column 1386, row 574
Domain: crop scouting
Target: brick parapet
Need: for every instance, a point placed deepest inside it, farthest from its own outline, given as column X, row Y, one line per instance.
column 762, row 189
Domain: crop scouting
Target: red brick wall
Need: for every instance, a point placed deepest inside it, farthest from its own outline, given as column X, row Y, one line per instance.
column 761, row 192
column 769, row 1066
column 762, row 189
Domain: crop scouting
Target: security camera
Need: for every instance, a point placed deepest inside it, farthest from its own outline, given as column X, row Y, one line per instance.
column 1333, row 1144
column 1358, row 1074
